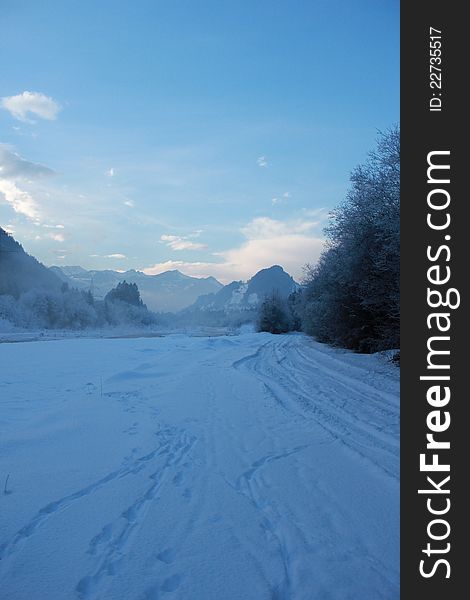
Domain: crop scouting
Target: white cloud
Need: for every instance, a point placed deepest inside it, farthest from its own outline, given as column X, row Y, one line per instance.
column 35, row 103
column 176, row 242
column 262, row 162
column 117, row 255
column 57, row 237
column 21, row 201
column 267, row 228
column 14, row 172
column 110, row 172
column 290, row 244
column 53, row 226
column 195, row 269
column 129, row 203
column 281, row 199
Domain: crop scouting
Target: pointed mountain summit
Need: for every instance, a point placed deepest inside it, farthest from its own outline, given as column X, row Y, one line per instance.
column 242, row 296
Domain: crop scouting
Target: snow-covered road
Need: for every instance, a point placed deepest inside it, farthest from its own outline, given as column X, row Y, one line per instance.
column 246, row 467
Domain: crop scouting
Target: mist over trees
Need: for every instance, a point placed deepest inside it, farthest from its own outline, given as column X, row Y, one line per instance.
column 123, row 304
column 33, row 297
column 351, row 297
column 69, row 308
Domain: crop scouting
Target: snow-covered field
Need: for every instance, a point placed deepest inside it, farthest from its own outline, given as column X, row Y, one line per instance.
column 242, row 467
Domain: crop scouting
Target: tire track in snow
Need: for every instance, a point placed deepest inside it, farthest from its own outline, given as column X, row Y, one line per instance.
column 320, row 402
column 248, row 485
column 314, row 395
column 378, row 403
column 283, row 534
column 351, row 411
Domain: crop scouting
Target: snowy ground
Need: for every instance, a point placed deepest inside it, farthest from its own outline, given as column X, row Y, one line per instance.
column 247, row 467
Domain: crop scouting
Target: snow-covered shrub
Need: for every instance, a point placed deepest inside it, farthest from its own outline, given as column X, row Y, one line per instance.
column 273, row 315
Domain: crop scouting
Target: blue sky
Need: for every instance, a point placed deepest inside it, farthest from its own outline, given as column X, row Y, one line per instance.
column 208, row 136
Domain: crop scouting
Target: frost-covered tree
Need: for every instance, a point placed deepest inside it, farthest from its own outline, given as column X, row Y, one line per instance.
column 50, row 309
column 294, row 305
column 125, row 292
column 273, row 315
column 123, row 304
column 351, row 296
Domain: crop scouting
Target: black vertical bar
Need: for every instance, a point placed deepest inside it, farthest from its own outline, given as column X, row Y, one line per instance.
column 423, row 131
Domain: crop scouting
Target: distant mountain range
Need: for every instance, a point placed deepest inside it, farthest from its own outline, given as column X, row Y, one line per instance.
column 170, row 291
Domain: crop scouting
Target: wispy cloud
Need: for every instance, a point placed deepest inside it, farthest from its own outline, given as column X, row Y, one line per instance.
column 15, row 171
column 176, row 242
column 110, row 172
column 261, row 161
column 290, row 243
column 280, row 199
column 13, row 166
column 263, row 228
column 21, row 201
column 115, row 255
column 129, row 203
column 57, row 237
column 30, row 103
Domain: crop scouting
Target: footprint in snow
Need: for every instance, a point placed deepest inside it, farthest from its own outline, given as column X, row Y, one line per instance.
column 102, row 537
column 167, row 556
column 172, row 583
column 178, row 478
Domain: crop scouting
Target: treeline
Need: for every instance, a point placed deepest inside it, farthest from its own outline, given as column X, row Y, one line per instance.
column 69, row 308
column 351, row 297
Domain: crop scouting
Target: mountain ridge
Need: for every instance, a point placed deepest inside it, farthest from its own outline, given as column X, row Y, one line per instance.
column 169, row 291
